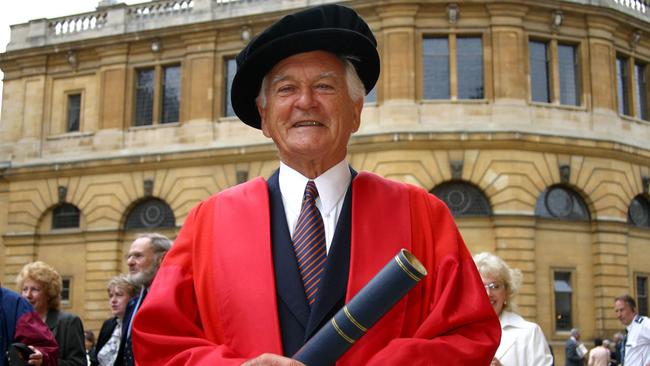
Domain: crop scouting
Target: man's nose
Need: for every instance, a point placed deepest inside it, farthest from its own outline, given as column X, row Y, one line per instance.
column 306, row 99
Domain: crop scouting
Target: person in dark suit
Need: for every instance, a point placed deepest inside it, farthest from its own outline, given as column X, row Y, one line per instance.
column 120, row 292
column 258, row 268
column 41, row 285
column 145, row 255
column 573, row 356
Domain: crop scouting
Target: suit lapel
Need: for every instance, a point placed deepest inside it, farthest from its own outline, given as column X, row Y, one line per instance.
column 287, row 276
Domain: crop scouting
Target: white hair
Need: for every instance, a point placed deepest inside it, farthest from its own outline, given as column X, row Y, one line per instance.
column 489, row 264
column 356, row 89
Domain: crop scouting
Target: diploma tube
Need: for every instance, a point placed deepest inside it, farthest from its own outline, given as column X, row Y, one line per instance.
column 374, row 300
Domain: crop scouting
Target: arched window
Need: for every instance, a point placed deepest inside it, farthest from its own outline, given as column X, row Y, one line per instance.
column 149, row 214
column 463, row 199
column 559, row 202
column 638, row 214
column 65, row 216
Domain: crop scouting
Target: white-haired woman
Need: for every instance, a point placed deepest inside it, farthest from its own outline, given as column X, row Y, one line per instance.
column 522, row 342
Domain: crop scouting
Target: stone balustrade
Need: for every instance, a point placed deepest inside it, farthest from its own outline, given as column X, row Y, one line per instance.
column 122, row 19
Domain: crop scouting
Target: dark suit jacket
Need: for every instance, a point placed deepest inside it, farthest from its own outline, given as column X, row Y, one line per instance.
column 69, row 334
column 571, row 352
column 297, row 322
column 105, row 334
column 125, row 340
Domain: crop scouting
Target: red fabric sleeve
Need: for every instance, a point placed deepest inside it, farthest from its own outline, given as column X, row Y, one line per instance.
column 167, row 330
column 32, row 331
column 449, row 318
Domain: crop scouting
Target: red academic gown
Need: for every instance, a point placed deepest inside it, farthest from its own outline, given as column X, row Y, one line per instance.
column 213, row 301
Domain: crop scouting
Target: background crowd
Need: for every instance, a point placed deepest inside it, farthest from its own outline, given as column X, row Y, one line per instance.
column 35, row 317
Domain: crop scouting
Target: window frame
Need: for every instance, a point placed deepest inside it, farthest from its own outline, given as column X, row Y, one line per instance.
column 554, row 80
column 631, row 88
column 158, row 93
column 68, row 95
column 452, row 38
column 642, row 301
column 66, row 301
column 227, row 87
column 573, row 309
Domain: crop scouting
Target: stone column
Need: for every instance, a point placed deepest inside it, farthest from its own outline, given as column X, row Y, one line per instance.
column 515, row 244
column 103, row 260
column 397, row 41
column 610, row 268
column 509, row 56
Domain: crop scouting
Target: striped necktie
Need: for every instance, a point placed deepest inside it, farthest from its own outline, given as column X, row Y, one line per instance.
column 309, row 243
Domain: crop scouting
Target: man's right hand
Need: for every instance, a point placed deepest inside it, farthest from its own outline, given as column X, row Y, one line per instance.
column 269, row 359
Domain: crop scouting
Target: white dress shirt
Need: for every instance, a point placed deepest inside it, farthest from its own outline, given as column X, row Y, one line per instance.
column 522, row 342
column 637, row 345
column 332, row 186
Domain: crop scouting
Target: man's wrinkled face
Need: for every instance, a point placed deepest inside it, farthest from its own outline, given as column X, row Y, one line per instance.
column 141, row 256
column 624, row 312
column 309, row 113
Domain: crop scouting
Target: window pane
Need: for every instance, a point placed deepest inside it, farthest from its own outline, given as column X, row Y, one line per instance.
column 231, row 68
column 469, row 56
column 74, row 112
column 171, row 93
column 539, row 81
column 65, row 216
column 569, row 80
column 622, row 86
column 640, row 90
column 435, row 67
column 563, row 294
column 642, row 294
column 65, row 291
column 144, row 97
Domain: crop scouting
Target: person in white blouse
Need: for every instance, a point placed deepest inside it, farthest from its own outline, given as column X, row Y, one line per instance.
column 522, row 342
column 120, row 291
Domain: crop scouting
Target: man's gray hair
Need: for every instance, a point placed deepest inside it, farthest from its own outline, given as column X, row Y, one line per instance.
column 575, row 332
column 159, row 243
column 356, row 89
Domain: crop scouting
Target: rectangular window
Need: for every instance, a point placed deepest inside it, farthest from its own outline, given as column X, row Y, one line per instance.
column 65, row 291
column 568, row 70
column 539, row 71
column 144, row 90
column 469, row 62
column 642, row 294
column 435, row 68
column 641, row 90
column 231, row 69
column 171, row 93
column 74, row 112
column 622, row 86
column 563, row 291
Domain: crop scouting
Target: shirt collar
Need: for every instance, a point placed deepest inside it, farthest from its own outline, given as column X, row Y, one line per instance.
column 331, row 186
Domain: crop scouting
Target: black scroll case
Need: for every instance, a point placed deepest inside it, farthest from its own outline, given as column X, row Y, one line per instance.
column 374, row 300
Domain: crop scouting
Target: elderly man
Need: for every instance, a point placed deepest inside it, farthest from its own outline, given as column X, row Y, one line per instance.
column 258, row 268
column 145, row 255
column 572, row 351
column 636, row 343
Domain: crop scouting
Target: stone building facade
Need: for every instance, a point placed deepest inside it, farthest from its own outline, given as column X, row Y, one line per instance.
column 529, row 118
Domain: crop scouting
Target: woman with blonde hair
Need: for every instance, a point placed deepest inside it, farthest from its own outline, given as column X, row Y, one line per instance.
column 120, row 291
column 522, row 342
column 40, row 284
